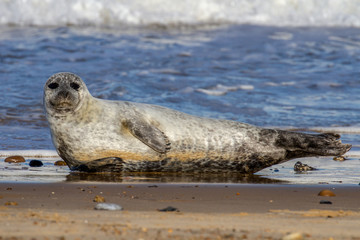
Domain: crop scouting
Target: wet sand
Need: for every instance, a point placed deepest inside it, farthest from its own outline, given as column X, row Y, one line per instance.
column 205, row 211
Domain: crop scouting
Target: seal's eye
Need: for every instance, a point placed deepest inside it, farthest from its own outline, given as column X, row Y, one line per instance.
column 53, row 85
column 75, row 86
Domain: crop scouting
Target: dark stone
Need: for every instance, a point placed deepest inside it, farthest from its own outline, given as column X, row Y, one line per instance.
column 35, row 163
column 169, row 209
column 301, row 167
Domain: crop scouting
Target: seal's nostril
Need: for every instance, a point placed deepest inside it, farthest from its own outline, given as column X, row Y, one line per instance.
column 64, row 94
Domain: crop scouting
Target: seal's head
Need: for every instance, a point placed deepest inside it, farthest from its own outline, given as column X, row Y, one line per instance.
column 63, row 93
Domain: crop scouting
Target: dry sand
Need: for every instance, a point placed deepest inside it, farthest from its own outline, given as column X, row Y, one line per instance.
column 206, row 211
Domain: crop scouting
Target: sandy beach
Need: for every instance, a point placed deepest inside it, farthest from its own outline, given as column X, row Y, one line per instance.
column 288, row 65
column 204, row 211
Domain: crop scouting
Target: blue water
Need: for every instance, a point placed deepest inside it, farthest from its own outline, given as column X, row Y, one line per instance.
column 283, row 77
column 299, row 78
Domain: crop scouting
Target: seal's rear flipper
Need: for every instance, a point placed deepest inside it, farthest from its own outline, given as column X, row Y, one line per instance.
column 304, row 145
column 109, row 164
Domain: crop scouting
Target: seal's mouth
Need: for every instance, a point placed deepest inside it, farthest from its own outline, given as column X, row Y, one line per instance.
column 64, row 101
column 62, row 105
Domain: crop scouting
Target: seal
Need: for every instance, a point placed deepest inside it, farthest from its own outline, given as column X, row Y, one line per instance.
column 92, row 134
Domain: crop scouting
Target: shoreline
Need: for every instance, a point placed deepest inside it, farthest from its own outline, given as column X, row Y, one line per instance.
column 206, row 211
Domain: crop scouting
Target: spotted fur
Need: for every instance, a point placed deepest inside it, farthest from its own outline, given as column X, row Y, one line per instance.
column 98, row 135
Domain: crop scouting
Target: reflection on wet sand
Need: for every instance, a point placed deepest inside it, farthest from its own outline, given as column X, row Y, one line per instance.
column 169, row 177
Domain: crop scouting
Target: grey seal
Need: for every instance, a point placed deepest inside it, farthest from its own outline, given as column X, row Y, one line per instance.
column 92, row 134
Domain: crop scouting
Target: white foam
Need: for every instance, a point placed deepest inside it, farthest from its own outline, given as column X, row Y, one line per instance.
column 355, row 129
column 220, row 89
column 180, row 12
column 29, row 153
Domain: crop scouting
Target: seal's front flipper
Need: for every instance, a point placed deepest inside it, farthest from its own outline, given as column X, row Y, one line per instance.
column 109, row 164
column 148, row 134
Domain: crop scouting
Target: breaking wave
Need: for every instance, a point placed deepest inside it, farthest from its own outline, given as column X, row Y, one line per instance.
column 113, row 13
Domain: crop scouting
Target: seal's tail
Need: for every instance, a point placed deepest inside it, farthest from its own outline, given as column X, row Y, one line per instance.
column 304, row 145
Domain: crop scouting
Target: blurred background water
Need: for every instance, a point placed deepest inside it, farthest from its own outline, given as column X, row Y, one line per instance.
column 284, row 64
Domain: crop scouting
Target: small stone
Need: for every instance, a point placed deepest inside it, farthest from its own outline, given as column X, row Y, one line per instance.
column 60, row 163
column 293, row 236
column 325, row 202
column 169, row 209
column 326, row 193
column 99, row 199
column 108, row 206
column 14, row 159
column 35, row 163
column 339, row 158
column 300, row 167
column 11, row 204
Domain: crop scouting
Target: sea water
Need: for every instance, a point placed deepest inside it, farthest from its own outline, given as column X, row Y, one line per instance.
column 282, row 64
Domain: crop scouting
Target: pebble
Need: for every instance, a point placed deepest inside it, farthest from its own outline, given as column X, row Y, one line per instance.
column 169, row 209
column 339, row 158
column 35, row 163
column 108, row 206
column 326, row 193
column 300, row 167
column 293, row 236
column 14, row 159
column 99, row 199
column 60, row 163
column 11, row 204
